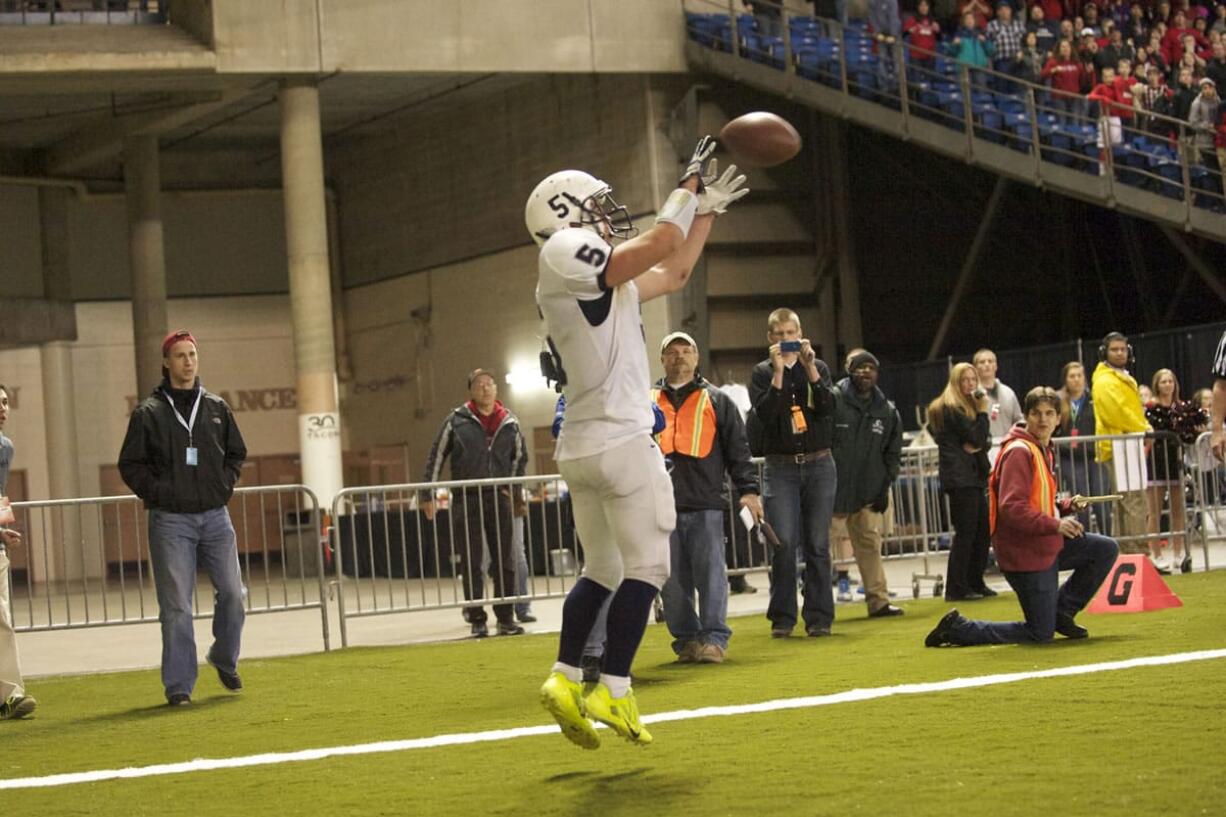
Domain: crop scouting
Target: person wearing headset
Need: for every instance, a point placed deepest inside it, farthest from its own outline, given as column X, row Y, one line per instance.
column 1118, row 410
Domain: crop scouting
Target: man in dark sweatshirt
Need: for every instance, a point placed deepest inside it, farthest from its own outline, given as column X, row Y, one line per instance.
column 1035, row 538
column 867, row 452
column 791, row 425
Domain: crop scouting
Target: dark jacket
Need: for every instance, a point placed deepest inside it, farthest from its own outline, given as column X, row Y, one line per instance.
column 867, row 447
column 958, row 468
column 769, row 424
column 1083, row 426
column 698, row 482
column 463, row 440
column 153, row 460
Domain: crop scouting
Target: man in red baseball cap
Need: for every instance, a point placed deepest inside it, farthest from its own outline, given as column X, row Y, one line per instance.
column 182, row 455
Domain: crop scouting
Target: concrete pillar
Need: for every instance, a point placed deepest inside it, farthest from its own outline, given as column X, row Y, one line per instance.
column 142, row 184
column 67, row 558
column 850, row 333
column 306, row 236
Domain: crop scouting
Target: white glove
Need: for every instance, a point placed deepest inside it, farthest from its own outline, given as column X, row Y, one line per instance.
column 718, row 193
column 702, row 152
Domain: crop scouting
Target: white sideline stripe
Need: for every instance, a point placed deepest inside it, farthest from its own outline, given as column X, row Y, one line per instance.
column 270, row 758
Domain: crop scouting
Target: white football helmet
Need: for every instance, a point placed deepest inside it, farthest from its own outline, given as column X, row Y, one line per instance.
column 572, row 198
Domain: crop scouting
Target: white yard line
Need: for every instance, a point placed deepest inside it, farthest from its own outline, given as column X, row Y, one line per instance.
column 853, row 695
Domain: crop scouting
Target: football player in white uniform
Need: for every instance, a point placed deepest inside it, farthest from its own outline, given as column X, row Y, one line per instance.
column 589, row 292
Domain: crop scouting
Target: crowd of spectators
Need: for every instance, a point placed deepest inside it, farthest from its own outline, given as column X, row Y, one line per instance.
column 1143, row 63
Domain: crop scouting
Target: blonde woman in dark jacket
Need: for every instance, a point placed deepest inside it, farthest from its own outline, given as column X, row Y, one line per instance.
column 958, row 420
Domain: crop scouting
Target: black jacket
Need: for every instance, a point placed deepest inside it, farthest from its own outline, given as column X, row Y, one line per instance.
column 958, row 468
column 153, row 460
column 769, row 424
column 462, row 438
column 867, row 447
column 1083, row 426
column 698, row 483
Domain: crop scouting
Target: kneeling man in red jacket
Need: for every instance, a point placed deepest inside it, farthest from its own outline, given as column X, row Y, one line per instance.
column 1035, row 537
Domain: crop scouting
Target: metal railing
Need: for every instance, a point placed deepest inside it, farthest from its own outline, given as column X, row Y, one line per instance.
column 1145, row 152
column 85, row 562
column 83, row 12
column 391, row 557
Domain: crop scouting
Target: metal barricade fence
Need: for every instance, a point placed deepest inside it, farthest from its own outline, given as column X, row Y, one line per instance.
column 85, row 562
column 1162, row 496
column 391, row 556
column 1208, row 477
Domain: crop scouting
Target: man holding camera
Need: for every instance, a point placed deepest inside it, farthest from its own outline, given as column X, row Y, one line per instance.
column 791, row 425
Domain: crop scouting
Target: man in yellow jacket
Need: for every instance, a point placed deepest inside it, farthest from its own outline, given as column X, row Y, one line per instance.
column 1118, row 410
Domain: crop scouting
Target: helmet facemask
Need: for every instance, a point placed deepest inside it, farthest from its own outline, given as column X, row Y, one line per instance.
column 601, row 210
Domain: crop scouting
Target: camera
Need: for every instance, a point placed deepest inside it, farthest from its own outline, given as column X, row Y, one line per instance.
column 789, row 346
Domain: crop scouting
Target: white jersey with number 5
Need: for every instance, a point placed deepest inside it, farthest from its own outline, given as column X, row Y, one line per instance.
column 598, row 333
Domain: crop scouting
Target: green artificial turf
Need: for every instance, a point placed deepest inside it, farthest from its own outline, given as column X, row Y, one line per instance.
column 1137, row 741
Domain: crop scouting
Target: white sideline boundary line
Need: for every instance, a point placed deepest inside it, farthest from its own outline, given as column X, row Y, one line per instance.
column 850, row 696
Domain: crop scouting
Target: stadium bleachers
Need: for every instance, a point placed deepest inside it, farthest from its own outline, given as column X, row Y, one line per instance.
column 848, row 58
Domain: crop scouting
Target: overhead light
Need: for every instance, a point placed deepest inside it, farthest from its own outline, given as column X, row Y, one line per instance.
column 526, row 378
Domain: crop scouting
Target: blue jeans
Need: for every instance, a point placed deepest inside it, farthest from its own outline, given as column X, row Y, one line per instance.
column 177, row 543
column 522, row 608
column 799, row 506
column 696, row 549
column 1089, row 556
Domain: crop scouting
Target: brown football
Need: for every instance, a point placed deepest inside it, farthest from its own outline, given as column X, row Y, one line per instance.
column 760, row 139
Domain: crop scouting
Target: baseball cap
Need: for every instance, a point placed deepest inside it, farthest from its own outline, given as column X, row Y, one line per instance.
column 174, row 337
column 475, row 373
column 674, row 336
column 1087, row 32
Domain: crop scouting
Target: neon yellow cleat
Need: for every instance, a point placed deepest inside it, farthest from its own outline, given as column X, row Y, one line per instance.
column 564, row 700
column 619, row 714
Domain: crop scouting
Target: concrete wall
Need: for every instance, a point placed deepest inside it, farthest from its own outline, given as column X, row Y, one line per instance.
column 225, row 243
column 457, row 35
column 245, row 346
column 450, row 181
column 21, row 273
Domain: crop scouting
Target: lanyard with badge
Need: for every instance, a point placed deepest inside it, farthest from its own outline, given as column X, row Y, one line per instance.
column 191, row 454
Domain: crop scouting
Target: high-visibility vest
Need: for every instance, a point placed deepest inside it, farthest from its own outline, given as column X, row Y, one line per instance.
column 1042, row 484
column 689, row 430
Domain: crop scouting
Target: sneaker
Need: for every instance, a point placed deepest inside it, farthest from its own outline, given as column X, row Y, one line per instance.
column 229, row 680
column 509, row 628
column 940, row 634
column 844, row 589
column 690, row 653
column 480, row 629
column 781, row 632
column 885, row 612
column 817, row 631
column 738, row 584
column 178, row 699
column 711, row 654
column 526, row 618
column 17, row 706
column 619, row 714
column 1068, row 628
column 563, row 699
column 986, row 592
